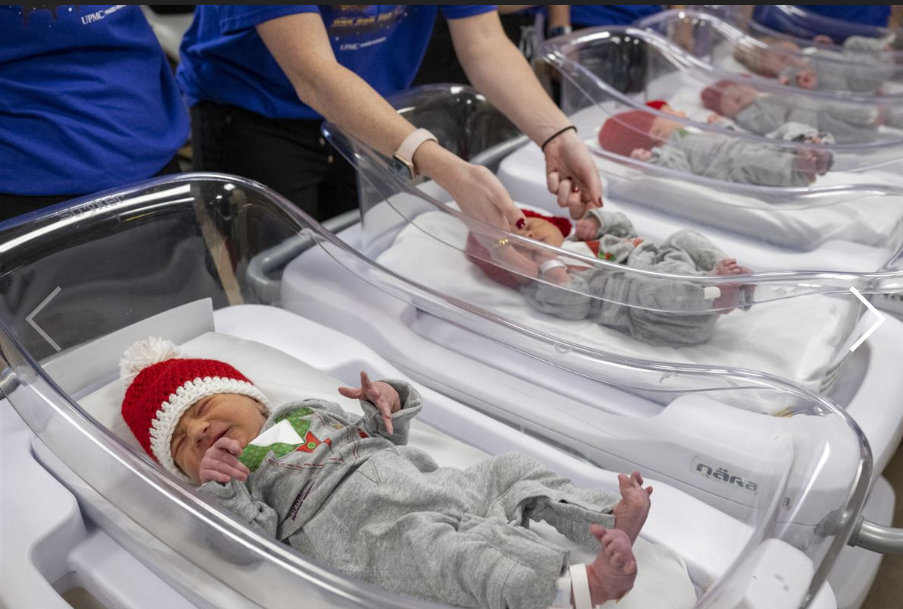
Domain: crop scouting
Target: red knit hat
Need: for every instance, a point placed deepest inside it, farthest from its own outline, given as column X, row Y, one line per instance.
column 625, row 132
column 657, row 104
column 712, row 96
column 160, row 387
column 481, row 257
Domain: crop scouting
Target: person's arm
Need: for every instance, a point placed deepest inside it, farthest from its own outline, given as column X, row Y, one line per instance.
column 559, row 15
column 300, row 45
column 498, row 70
column 510, row 9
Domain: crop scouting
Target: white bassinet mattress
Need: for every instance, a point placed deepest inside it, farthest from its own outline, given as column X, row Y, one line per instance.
column 796, row 338
column 662, row 581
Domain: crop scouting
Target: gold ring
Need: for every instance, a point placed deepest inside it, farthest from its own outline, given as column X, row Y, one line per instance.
column 501, row 242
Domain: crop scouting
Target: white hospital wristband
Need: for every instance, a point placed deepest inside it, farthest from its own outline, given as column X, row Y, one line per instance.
column 548, row 265
column 580, row 585
column 711, row 292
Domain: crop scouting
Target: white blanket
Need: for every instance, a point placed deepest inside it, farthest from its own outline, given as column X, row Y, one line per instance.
column 796, row 338
column 662, row 580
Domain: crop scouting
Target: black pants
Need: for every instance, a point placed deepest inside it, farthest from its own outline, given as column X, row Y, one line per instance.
column 440, row 64
column 16, row 205
column 289, row 156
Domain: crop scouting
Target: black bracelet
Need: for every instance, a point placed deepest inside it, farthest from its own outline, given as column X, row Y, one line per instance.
column 556, row 134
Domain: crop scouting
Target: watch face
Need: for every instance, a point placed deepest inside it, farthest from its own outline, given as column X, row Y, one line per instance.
column 404, row 169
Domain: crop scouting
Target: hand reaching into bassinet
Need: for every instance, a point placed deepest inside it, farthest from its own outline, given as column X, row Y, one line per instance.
column 382, row 395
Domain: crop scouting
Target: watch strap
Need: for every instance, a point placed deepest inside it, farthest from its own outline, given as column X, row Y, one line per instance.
column 409, row 146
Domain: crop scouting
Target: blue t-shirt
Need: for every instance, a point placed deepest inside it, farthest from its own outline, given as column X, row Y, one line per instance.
column 850, row 15
column 87, row 99
column 225, row 61
column 866, row 14
column 592, row 15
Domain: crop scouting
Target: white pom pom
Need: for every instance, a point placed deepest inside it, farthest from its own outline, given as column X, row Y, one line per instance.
column 142, row 354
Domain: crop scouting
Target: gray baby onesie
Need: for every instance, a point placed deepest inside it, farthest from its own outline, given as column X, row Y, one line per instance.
column 356, row 498
column 860, row 68
column 771, row 115
column 657, row 311
column 727, row 158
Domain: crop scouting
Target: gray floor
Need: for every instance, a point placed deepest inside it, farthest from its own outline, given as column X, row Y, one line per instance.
column 887, row 593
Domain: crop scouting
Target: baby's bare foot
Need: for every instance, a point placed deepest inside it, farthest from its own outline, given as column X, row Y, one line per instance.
column 612, row 574
column 730, row 293
column 806, row 163
column 631, row 512
column 728, row 266
column 824, row 160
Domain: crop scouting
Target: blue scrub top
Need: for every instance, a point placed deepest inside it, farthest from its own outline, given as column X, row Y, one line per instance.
column 866, row 14
column 225, row 61
column 87, row 99
column 592, row 15
column 851, row 14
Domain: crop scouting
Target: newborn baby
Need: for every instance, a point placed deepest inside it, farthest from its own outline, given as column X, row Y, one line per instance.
column 859, row 68
column 669, row 143
column 347, row 490
column 799, row 119
column 655, row 310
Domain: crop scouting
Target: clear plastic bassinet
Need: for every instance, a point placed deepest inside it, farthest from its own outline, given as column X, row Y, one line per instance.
column 848, row 74
column 758, row 505
column 618, row 69
column 758, row 517
column 468, row 125
column 800, row 324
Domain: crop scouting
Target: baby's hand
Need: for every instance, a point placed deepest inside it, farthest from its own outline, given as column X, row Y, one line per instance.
column 382, row 395
column 588, row 228
column 713, row 118
column 641, row 154
column 220, row 462
column 558, row 276
column 806, row 80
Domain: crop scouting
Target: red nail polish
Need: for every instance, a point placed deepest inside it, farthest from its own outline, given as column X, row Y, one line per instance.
column 521, row 223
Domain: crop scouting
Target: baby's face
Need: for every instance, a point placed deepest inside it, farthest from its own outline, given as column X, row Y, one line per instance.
column 663, row 128
column 542, row 230
column 225, row 414
column 736, row 98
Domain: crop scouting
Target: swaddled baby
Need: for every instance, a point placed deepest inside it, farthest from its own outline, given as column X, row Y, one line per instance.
column 348, row 491
column 655, row 310
column 664, row 142
column 858, row 68
column 817, row 121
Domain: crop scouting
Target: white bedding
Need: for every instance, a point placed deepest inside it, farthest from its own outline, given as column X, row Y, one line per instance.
column 795, row 338
column 662, row 581
column 874, row 222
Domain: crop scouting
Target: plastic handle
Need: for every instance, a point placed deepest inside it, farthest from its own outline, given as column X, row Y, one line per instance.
column 877, row 538
column 266, row 289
